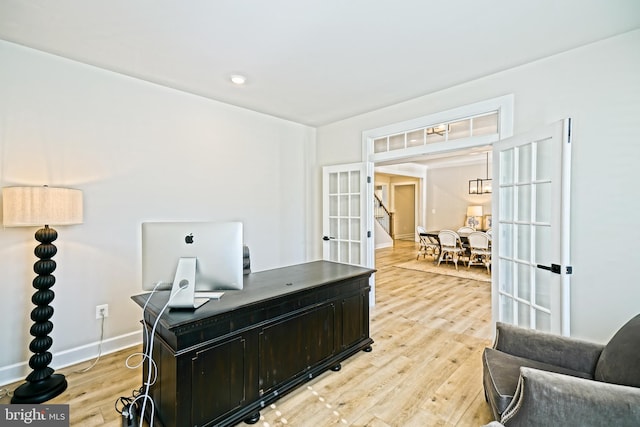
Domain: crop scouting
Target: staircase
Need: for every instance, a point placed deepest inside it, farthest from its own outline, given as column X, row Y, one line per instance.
column 384, row 218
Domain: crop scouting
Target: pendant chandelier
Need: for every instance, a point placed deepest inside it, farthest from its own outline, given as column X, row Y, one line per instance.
column 481, row 185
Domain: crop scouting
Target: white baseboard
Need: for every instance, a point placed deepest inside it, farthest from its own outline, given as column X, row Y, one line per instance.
column 384, row 245
column 410, row 236
column 17, row 372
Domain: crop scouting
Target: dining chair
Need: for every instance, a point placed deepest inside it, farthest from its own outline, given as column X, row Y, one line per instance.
column 465, row 230
column 450, row 246
column 428, row 245
column 480, row 254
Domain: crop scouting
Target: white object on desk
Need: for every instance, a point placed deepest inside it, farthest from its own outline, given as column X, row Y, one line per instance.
column 210, row 295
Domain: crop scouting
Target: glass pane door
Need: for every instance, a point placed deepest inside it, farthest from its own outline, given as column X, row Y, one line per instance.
column 344, row 233
column 530, row 256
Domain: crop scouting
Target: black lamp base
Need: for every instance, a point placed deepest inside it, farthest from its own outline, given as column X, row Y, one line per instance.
column 42, row 384
column 40, row 391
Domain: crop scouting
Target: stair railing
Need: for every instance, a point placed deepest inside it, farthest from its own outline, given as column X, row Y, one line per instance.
column 382, row 215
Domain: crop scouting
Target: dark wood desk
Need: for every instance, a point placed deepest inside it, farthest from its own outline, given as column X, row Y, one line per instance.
column 222, row 363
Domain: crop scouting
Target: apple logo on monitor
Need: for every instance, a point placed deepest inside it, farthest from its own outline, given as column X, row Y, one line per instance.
column 188, row 239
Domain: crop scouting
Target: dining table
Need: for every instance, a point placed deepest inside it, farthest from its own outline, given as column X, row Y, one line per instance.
column 463, row 238
column 434, row 233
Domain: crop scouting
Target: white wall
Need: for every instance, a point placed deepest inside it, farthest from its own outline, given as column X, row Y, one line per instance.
column 597, row 85
column 142, row 152
column 448, row 194
column 139, row 152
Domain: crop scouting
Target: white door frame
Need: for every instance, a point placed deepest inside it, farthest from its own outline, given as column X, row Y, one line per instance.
column 504, row 105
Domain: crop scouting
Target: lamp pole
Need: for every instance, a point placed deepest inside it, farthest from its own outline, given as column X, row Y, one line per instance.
column 42, row 384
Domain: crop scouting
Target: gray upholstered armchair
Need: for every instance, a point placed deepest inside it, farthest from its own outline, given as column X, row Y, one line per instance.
column 533, row 378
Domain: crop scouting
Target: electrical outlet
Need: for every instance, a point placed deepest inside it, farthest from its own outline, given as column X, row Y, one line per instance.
column 102, row 311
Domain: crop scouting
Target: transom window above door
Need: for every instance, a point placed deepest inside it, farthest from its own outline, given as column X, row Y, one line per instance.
column 479, row 125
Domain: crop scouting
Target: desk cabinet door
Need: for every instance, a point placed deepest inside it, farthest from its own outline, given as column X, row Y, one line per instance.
column 290, row 348
column 219, row 380
column 355, row 320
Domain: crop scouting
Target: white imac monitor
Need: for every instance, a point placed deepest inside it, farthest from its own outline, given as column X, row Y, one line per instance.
column 217, row 248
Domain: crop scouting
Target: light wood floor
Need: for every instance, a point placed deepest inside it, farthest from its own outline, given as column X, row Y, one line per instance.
column 425, row 368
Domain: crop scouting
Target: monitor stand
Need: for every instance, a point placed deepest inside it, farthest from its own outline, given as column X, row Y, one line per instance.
column 183, row 291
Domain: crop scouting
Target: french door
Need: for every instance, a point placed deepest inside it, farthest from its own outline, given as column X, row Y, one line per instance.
column 344, row 206
column 346, row 231
column 531, row 207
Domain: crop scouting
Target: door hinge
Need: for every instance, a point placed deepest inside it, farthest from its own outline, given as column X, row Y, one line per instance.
column 569, row 269
column 368, row 180
column 369, row 234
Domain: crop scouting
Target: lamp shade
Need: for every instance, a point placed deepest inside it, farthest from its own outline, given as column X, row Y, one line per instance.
column 474, row 211
column 37, row 206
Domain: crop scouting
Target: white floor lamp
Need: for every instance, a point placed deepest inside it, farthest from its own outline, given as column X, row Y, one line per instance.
column 41, row 206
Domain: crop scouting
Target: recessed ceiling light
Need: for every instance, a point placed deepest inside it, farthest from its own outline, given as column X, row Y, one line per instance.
column 238, row 79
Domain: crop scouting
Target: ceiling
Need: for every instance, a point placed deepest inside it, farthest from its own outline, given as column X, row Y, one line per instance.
column 311, row 61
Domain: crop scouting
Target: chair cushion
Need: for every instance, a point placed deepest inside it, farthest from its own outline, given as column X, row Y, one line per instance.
column 502, row 371
column 619, row 362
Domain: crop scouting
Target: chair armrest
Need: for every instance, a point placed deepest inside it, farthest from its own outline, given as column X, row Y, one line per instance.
column 550, row 399
column 549, row 348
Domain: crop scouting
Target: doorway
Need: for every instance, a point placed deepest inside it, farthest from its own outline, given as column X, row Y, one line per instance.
column 464, row 130
column 404, row 197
